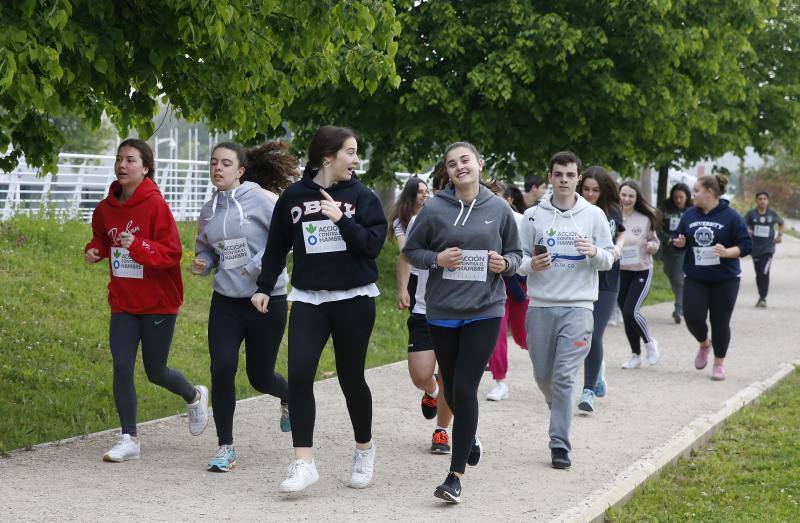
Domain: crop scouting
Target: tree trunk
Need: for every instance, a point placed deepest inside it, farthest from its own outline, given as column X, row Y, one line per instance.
column 646, row 181
column 663, row 178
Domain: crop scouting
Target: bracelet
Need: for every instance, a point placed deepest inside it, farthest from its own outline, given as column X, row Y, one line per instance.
column 508, row 265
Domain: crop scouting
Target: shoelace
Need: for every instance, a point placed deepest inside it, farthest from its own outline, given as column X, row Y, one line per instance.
column 222, row 453
column 440, row 437
column 428, row 400
column 360, row 461
column 120, row 444
column 294, row 469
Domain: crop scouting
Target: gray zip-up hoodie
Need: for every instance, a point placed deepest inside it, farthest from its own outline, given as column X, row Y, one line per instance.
column 572, row 280
column 232, row 233
column 487, row 224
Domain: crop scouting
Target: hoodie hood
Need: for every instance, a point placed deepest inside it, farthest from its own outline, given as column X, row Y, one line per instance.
column 146, row 190
column 308, row 181
column 448, row 194
column 237, row 195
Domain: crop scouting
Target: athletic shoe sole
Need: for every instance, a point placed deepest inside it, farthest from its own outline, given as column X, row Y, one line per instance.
column 218, row 468
column 438, row 450
column 447, row 496
column 109, row 459
column 561, row 466
column 586, row 406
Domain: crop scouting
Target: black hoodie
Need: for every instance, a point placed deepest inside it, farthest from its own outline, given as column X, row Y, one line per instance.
column 327, row 256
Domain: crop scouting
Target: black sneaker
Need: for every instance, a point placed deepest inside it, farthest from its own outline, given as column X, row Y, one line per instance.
column 676, row 316
column 428, row 406
column 450, row 490
column 440, row 442
column 475, row 453
column 560, row 458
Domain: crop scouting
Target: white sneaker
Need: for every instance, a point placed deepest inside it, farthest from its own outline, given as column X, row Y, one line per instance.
column 499, row 392
column 126, row 448
column 198, row 412
column 363, row 463
column 300, row 475
column 652, row 351
column 634, row 362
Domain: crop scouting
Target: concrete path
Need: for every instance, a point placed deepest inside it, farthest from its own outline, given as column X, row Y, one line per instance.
column 643, row 410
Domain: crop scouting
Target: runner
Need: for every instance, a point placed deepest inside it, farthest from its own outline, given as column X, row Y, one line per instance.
column 565, row 242
column 411, row 285
column 336, row 227
column 599, row 188
column 233, row 229
column 535, row 189
column 134, row 228
column 680, row 199
column 716, row 237
column 636, row 271
column 761, row 223
column 466, row 238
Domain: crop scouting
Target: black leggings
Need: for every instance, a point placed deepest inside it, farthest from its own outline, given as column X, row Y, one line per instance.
column 231, row 320
column 462, row 354
column 762, row 265
column 155, row 332
column 603, row 308
column 350, row 324
column 714, row 299
column 633, row 289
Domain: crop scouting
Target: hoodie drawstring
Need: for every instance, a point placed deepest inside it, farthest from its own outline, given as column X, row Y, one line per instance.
column 213, row 207
column 469, row 211
column 238, row 206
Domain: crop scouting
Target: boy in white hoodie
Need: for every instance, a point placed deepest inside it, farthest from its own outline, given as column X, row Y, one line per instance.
column 562, row 285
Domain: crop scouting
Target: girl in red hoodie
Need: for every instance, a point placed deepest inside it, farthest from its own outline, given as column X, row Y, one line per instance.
column 133, row 227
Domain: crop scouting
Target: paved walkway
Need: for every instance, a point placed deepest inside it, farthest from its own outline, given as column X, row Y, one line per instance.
column 643, row 410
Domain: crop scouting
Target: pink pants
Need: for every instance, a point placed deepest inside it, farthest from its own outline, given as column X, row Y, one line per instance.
column 515, row 316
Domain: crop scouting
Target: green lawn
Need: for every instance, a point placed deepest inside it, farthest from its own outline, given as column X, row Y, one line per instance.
column 750, row 470
column 55, row 365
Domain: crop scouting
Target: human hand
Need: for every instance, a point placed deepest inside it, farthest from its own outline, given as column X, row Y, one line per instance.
column 449, row 258
column 497, row 263
column 126, row 239
column 198, row 266
column 260, row 302
column 91, row 256
column 330, row 209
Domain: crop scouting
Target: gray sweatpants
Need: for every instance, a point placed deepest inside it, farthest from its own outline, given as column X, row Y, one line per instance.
column 558, row 341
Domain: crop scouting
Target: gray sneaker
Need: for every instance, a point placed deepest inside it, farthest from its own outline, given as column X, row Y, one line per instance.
column 198, row 412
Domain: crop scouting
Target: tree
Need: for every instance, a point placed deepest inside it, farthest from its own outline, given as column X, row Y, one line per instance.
column 233, row 63
column 80, row 138
column 621, row 83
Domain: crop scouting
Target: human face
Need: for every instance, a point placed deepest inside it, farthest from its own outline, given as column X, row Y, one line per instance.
column 763, row 202
column 591, row 190
column 344, row 162
column 463, row 168
column 225, row 169
column 679, row 199
column 627, row 197
column 422, row 195
column 129, row 168
column 564, row 179
column 703, row 198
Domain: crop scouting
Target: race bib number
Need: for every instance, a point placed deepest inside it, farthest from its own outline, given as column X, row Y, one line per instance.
column 704, row 256
column 123, row 266
column 630, row 256
column 673, row 223
column 322, row 236
column 233, row 253
column 761, row 231
column 474, row 266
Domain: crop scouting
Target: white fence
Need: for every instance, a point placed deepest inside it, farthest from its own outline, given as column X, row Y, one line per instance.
column 83, row 180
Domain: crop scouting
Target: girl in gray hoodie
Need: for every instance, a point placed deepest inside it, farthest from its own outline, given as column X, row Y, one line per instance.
column 465, row 237
column 233, row 230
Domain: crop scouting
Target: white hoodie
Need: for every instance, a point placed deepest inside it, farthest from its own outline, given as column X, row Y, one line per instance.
column 572, row 279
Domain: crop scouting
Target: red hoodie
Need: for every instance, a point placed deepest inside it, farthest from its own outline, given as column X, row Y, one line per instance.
column 147, row 278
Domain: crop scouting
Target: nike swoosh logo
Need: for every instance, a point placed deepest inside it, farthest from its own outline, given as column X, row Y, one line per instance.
column 487, row 222
column 159, row 322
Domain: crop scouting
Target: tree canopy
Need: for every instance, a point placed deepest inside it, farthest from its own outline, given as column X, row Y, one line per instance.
column 619, row 82
column 235, row 64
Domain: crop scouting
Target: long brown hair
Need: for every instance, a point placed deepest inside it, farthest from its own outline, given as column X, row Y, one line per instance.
column 642, row 205
column 271, row 166
column 609, row 194
column 406, row 206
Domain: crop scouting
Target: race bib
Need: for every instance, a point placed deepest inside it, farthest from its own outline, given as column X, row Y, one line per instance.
column 761, row 231
column 704, row 256
column 673, row 223
column 123, row 266
column 474, row 266
column 630, row 256
column 322, row 236
column 233, row 253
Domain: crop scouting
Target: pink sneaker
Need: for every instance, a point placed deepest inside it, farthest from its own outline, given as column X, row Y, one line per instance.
column 701, row 360
column 717, row 373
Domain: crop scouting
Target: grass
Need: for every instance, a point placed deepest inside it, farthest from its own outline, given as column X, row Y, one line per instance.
column 55, row 364
column 750, row 470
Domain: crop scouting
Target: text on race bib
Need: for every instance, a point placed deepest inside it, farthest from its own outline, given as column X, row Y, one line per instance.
column 474, row 267
column 761, row 231
column 233, row 253
column 630, row 255
column 123, row 266
column 704, row 256
column 673, row 223
column 322, row 236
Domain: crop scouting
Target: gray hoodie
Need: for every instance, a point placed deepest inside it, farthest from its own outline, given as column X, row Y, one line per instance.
column 487, row 224
column 233, row 231
column 572, row 279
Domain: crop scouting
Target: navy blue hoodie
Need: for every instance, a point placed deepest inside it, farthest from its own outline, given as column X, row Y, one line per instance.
column 721, row 225
column 327, row 256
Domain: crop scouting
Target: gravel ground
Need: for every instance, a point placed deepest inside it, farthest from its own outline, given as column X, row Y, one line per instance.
column 643, row 409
